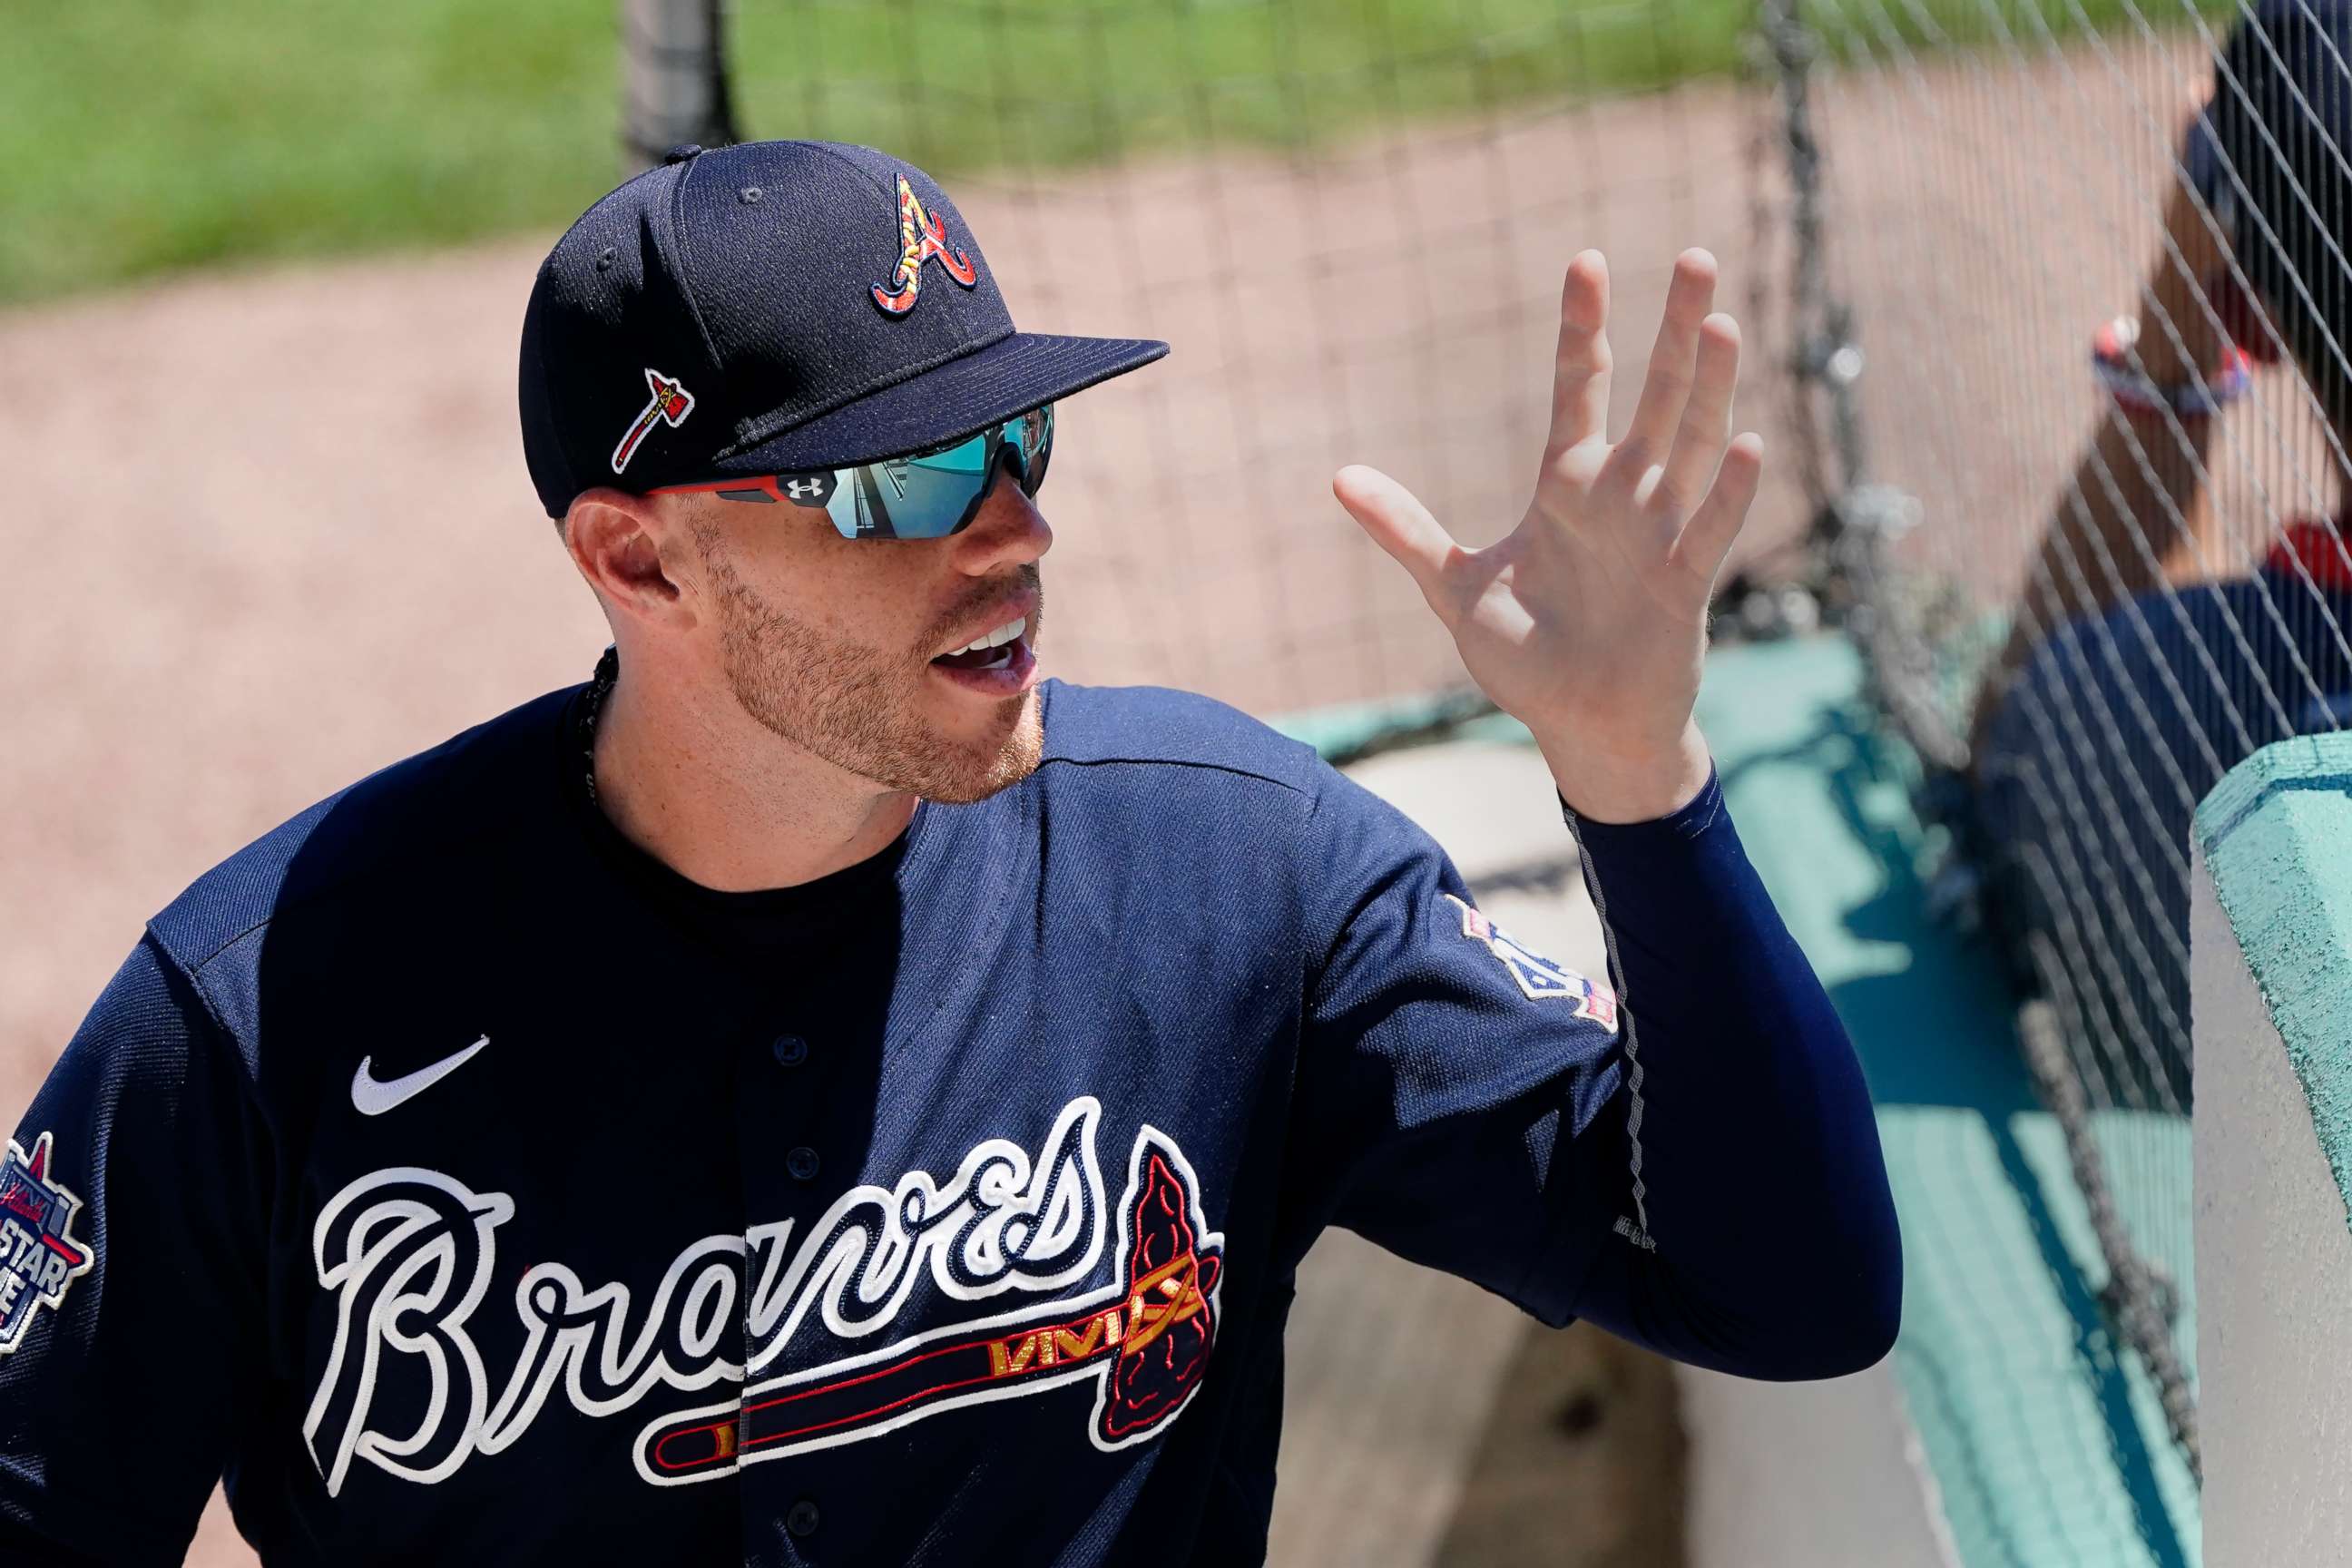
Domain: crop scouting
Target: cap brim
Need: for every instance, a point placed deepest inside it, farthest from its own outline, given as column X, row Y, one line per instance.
column 947, row 402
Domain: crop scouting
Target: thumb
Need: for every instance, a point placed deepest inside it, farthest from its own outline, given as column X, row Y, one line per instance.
column 1400, row 525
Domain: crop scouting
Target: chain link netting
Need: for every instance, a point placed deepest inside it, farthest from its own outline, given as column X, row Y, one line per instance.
column 2089, row 549
column 2080, row 597
column 1899, row 604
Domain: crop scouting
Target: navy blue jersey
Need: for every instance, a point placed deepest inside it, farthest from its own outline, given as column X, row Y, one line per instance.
column 2091, row 769
column 468, row 1186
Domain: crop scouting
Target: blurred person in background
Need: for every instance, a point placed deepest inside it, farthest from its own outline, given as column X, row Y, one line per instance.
column 2145, row 659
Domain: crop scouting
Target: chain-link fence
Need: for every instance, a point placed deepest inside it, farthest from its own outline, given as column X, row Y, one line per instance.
column 1351, row 219
column 2051, row 355
column 2077, row 276
column 2085, row 590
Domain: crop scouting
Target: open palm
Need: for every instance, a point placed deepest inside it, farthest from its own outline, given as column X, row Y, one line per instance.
column 1588, row 623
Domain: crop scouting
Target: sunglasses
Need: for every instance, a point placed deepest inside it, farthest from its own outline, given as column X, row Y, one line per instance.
column 927, row 495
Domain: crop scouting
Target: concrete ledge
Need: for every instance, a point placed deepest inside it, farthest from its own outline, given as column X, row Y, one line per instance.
column 2026, row 1439
column 2277, row 837
column 2006, row 1428
column 2271, row 959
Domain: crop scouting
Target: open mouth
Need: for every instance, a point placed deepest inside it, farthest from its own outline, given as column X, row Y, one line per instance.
column 993, row 649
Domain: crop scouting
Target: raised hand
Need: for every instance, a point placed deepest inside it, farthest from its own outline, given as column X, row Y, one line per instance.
column 1589, row 623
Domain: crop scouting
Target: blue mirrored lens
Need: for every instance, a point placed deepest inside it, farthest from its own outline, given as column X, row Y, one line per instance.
column 934, row 494
column 1033, row 432
column 911, row 497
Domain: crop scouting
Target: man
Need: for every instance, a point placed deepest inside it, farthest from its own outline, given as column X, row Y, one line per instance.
column 2144, row 661
column 817, row 1094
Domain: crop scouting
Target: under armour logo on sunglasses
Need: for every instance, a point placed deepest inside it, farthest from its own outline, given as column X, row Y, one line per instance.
column 921, row 237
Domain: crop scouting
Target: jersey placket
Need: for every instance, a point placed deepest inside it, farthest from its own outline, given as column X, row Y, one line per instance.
column 803, row 1126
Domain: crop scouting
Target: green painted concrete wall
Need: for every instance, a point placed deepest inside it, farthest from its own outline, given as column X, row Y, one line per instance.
column 2277, row 837
column 2047, row 1446
column 2044, row 1446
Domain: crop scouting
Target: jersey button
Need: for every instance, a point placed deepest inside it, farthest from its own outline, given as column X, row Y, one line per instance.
column 801, row 1518
column 791, row 1050
column 803, row 1163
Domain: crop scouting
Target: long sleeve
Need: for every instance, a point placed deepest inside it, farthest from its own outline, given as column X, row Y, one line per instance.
column 128, row 1203
column 1685, row 1154
column 1763, row 1239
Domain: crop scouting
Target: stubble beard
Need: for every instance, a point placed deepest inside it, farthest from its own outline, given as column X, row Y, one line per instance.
column 851, row 704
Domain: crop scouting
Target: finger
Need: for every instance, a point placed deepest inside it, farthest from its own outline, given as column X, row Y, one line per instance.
column 1672, row 359
column 1580, row 379
column 1706, row 539
column 1400, row 525
column 1707, row 416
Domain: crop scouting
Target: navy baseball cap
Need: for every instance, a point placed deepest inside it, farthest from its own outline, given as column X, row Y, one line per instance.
column 771, row 308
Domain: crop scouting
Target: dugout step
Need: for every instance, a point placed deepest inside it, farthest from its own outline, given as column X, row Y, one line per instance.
column 2034, row 1440
column 2007, row 1427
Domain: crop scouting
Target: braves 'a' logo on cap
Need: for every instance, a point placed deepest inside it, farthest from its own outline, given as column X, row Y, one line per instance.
column 38, row 1255
column 921, row 237
column 670, row 403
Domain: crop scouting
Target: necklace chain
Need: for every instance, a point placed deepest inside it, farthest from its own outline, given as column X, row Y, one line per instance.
column 600, row 686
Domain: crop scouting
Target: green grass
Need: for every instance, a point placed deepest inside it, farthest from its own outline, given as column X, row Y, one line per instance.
column 139, row 138
column 1030, row 83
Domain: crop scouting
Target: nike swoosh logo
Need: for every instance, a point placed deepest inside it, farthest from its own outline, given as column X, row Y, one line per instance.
column 373, row 1097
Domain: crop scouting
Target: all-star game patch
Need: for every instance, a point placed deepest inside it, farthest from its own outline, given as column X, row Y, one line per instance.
column 1539, row 978
column 38, row 1255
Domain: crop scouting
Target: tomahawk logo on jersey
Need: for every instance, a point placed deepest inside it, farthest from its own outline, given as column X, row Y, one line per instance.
column 1142, row 1340
column 409, row 1254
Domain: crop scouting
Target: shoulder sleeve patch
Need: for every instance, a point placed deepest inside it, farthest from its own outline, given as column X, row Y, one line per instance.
column 38, row 1255
column 1539, row 977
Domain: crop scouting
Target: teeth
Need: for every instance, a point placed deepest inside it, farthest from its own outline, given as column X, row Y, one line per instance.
column 997, row 638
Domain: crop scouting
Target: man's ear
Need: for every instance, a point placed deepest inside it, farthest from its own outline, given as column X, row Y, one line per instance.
column 629, row 549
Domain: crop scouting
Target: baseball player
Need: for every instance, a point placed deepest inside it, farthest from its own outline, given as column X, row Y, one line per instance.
column 818, row 1094
column 2151, row 649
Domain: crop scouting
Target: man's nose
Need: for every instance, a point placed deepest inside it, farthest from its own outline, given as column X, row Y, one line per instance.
column 1008, row 532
